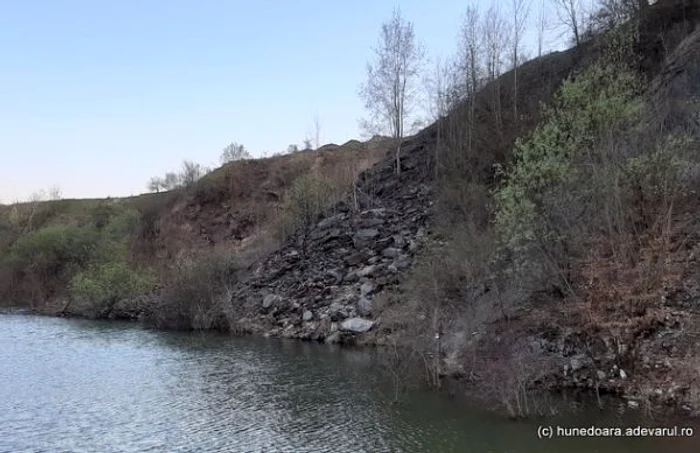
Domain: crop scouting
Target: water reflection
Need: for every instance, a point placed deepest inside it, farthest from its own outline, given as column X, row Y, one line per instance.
column 68, row 385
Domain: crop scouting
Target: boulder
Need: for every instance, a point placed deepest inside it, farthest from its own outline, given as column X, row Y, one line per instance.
column 356, row 325
column 368, row 288
column 308, row 315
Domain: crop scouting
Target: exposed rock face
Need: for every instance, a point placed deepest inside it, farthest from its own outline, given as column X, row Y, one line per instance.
column 361, row 246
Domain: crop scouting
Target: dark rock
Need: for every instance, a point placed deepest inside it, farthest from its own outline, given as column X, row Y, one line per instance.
column 357, row 258
column 402, row 262
column 391, row 252
column 367, row 271
column 364, row 306
column 335, row 275
column 270, row 300
column 399, row 241
column 367, row 233
column 351, row 277
column 331, row 221
column 367, row 288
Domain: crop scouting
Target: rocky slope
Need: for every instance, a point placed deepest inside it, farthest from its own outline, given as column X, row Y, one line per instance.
column 364, row 244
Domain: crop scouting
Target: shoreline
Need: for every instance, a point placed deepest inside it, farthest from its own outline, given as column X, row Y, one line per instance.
column 549, row 398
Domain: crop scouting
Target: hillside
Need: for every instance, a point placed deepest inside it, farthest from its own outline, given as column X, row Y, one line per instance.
column 556, row 249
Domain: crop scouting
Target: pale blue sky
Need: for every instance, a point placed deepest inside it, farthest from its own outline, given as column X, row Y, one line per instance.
column 98, row 96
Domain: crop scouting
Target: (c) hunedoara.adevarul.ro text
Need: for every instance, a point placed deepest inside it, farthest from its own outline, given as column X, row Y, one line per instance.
column 548, row 432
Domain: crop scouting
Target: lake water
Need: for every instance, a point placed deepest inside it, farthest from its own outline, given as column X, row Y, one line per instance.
column 82, row 386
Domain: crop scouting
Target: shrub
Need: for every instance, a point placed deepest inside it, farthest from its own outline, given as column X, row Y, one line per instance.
column 586, row 107
column 196, row 294
column 303, row 204
column 42, row 261
column 104, row 285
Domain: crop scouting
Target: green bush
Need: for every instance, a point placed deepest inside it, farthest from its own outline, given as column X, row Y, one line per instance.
column 49, row 251
column 104, row 285
column 586, row 108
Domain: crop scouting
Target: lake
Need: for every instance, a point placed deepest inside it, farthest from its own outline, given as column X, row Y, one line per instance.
column 84, row 386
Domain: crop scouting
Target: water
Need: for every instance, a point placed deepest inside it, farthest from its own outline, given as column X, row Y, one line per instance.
column 81, row 386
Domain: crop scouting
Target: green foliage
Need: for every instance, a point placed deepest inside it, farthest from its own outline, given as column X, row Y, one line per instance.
column 49, row 251
column 587, row 107
column 105, row 284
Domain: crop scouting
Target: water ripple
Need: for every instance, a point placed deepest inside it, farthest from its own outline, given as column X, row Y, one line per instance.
column 78, row 386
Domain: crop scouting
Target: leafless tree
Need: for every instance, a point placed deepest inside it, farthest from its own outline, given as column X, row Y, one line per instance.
column 170, row 181
column 520, row 10
column 191, row 172
column 470, row 68
column 291, row 149
column 496, row 35
column 440, row 94
column 470, row 51
column 54, row 193
column 613, row 13
column 155, row 184
column 307, row 144
column 572, row 14
column 234, row 152
column 393, row 79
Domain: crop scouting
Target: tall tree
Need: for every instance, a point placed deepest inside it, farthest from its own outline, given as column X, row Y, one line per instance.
column 572, row 14
column 520, row 9
column 470, row 50
column 393, row 79
column 233, row 152
column 496, row 35
column 470, row 55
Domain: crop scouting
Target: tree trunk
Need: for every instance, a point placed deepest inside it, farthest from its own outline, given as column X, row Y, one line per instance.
column 398, row 158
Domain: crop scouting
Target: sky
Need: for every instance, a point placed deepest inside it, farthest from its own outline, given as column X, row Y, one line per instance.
column 96, row 97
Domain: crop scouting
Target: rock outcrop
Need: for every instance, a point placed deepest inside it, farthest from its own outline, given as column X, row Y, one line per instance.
column 360, row 247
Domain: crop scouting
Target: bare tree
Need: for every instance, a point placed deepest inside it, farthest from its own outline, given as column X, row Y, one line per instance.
column 572, row 14
column 440, row 90
column 613, row 13
column 520, row 11
column 155, row 184
column 496, row 40
column 191, row 172
column 234, row 152
column 392, row 80
column 470, row 70
column 470, row 50
column 307, row 145
column 55, row 193
column 171, row 181
column 291, row 149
